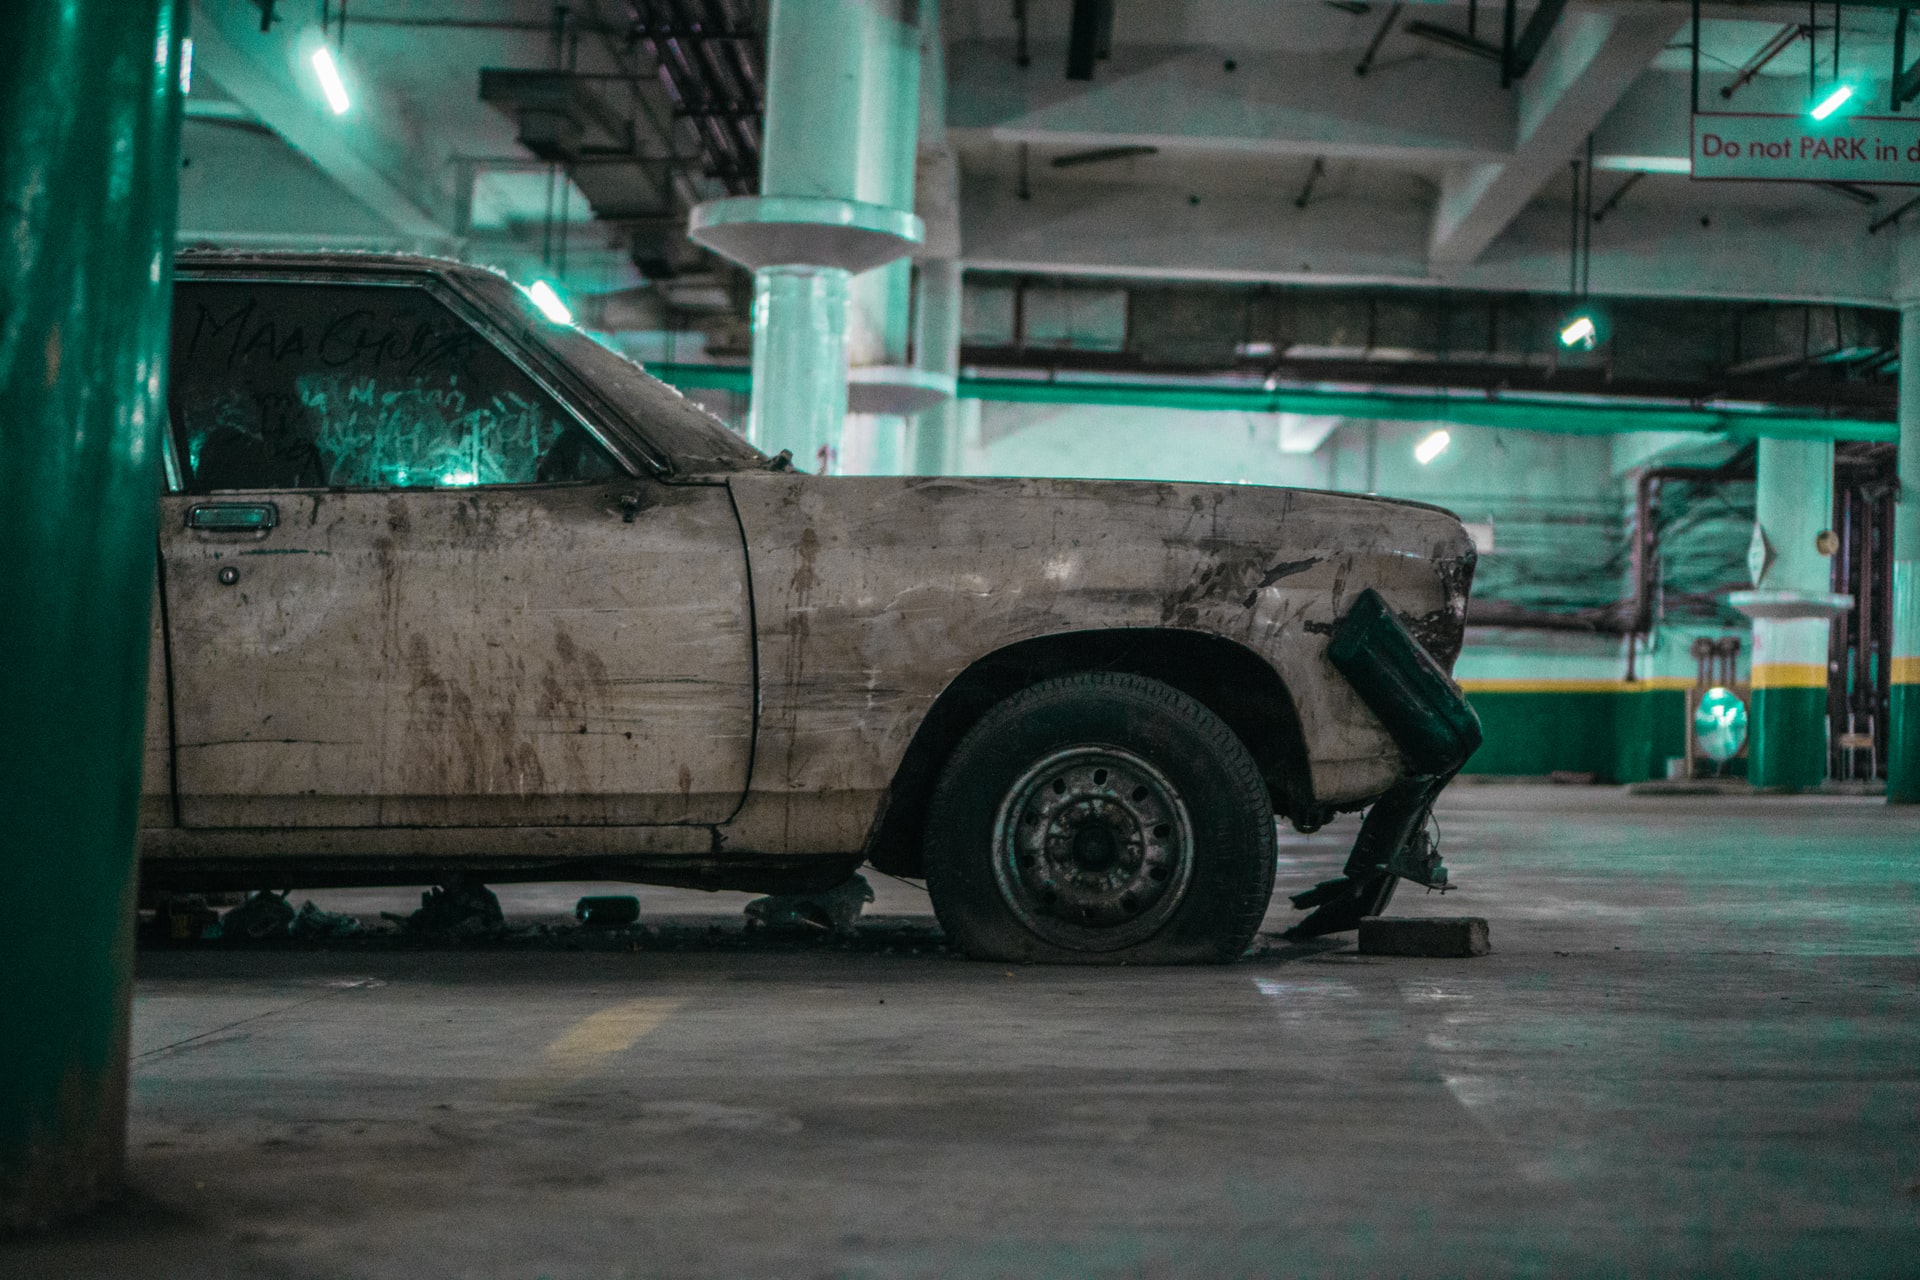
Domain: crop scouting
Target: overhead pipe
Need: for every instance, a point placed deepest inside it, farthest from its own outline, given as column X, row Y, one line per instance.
column 1379, row 38
column 1779, row 43
column 1646, row 538
column 1465, row 43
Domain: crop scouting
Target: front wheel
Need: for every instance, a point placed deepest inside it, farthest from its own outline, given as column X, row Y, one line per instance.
column 1101, row 818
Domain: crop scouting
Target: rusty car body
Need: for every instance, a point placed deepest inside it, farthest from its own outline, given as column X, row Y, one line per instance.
column 447, row 587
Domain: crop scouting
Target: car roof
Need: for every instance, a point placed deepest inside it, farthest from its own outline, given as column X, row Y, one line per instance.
column 198, row 256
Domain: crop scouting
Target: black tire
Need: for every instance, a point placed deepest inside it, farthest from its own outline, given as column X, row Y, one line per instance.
column 1101, row 818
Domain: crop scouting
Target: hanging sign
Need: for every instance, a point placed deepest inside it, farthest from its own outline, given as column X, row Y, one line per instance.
column 1878, row 149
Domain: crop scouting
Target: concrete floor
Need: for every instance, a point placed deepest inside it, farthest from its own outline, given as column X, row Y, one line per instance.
column 1695, row 1051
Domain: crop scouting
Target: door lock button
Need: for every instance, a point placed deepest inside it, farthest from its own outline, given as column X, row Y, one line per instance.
column 228, row 576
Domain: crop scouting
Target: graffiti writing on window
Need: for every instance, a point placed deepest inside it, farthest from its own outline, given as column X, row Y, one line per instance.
column 296, row 386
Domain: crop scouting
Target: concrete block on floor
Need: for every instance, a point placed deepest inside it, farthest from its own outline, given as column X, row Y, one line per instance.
column 1445, row 936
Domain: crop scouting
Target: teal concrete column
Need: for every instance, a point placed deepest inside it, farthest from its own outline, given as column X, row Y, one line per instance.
column 799, row 346
column 90, row 114
column 880, row 303
column 933, row 434
column 1903, row 737
column 830, row 199
column 881, row 300
column 936, row 345
column 1792, row 607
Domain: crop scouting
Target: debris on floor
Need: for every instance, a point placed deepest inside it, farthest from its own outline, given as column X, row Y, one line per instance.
column 832, row 911
column 264, row 915
column 1443, row 936
column 463, row 914
column 183, row 918
column 607, row 911
column 314, row 924
column 461, row 908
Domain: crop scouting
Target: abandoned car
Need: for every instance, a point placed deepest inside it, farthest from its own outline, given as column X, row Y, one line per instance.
column 447, row 587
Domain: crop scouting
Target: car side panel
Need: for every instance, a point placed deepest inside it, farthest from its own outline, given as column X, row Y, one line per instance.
column 873, row 594
column 156, row 772
column 507, row 656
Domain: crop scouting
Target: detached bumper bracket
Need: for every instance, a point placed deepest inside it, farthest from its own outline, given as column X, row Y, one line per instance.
column 1435, row 729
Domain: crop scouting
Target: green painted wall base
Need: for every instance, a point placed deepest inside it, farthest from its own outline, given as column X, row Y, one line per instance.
column 1789, row 742
column 1624, row 736
column 1903, row 750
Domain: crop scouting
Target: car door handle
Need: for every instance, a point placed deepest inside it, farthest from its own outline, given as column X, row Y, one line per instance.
column 233, row 517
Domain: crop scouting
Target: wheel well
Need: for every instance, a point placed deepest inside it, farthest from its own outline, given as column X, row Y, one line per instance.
column 1228, row 678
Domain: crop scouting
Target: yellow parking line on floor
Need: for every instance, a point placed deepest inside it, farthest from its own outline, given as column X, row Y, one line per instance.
column 601, row 1035
column 582, row 1047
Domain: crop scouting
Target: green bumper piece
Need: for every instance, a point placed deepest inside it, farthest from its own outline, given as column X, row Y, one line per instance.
column 1400, row 682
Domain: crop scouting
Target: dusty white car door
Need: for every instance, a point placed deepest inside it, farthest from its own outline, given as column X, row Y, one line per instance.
column 405, row 585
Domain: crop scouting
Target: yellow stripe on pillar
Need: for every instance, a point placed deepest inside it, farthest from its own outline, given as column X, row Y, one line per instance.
column 1789, row 675
column 1904, row 671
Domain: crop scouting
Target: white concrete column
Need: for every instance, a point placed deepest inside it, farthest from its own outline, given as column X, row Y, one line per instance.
column 799, row 351
column 841, row 74
column 1792, row 607
column 1903, row 728
column 935, row 434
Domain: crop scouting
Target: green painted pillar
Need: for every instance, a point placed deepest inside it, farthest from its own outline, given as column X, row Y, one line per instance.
column 1903, row 754
column 830, row 202
column 1792, row 608
column 90, row 111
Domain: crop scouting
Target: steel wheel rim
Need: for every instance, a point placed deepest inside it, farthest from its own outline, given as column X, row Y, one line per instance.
column 1093, row 848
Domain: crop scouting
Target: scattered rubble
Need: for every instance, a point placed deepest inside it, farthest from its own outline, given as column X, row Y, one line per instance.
column 466, row 913
column 1444, row 936
column 316, row 925
column 607, row 911
column 265, row 915
column 830, row 912
column 462, row 908
column 184, row 918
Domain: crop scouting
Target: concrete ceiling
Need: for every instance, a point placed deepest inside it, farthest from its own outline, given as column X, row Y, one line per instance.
column 1424, row 170
column 1431, row 173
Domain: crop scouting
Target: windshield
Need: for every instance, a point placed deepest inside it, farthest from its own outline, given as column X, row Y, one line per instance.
column 692, row 439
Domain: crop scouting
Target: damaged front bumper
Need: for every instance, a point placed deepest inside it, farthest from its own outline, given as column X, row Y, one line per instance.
column 1436, row 731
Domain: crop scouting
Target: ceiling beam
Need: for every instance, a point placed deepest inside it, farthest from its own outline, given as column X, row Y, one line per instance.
column 1272, row 103
column 1588, row 63
column 1661, row 249
column 267, row 74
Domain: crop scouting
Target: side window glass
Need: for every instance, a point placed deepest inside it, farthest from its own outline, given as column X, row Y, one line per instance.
column 295, row 386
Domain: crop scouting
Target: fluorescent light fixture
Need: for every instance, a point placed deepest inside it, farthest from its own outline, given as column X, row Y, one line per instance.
column 1579, row 331
column 1253, row 350
column 1832, row 102
column 330, row 80
column 186, row 65
column 1432, row 447
column 549, row 302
